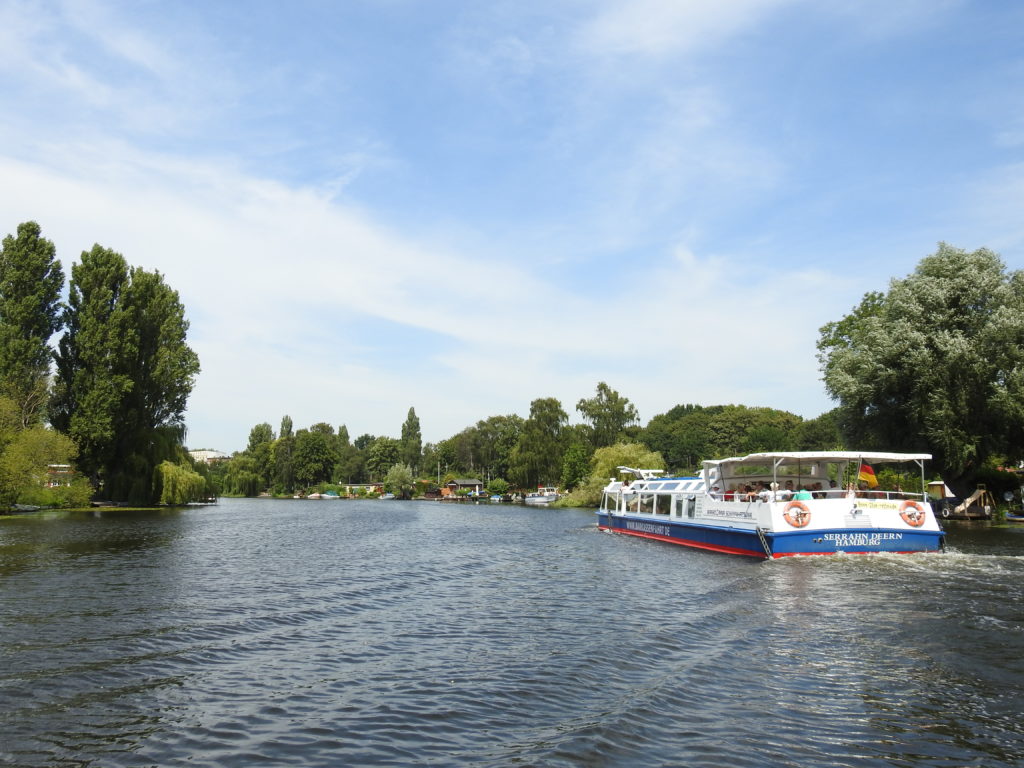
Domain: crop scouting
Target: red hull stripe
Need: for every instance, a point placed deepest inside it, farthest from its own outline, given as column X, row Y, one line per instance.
column 695, row 544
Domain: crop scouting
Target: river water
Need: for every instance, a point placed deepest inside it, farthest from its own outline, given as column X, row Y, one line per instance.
column 345, row 633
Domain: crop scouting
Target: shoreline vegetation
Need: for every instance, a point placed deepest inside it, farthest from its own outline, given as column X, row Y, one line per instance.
column 935, row 364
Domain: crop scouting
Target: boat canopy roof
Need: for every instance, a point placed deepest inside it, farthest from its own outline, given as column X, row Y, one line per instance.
column 798, row 464
column 871, row 457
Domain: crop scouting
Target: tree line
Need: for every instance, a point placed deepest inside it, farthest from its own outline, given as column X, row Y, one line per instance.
column 114, row 402
column 511, row 451
column 935, row 364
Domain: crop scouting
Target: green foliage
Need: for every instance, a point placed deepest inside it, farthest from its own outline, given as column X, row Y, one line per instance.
column 25, row 455
column 400, row 481
column 241, row 477
column 75, row 495
column 351, row 467
column 178, row 484
column 261, row 434
column 261, row 450
column 314, row 457
column 820, row 434
column 363, row 441
column 411, row 446
column 124, row 373
column 91, row 382
column 608, row 414
column 31, row 280
column 575, row 465
column 603, row 465
column 536, row 458
column 689, row 434
column 936, row 364
column 498, row 487
column 382, row 454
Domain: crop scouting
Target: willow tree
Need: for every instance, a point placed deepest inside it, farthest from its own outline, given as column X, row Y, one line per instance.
column 124, row 374
column 31, row 280
column 934, row 364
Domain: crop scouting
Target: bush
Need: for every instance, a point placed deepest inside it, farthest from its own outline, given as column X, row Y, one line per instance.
column 77, row 494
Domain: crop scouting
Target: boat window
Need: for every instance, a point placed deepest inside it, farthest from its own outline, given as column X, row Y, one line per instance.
column 662, row 504
column 646, row 503
column 691, row 505
column 744, row 470
column 669, row 486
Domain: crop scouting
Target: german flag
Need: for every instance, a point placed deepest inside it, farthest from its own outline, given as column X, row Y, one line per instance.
column 867, row 475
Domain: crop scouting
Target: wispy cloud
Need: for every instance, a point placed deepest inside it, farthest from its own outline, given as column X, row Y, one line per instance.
column 659, row 27
column 534, row 199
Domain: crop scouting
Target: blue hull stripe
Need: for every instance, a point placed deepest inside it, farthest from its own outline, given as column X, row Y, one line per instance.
column 739, row 541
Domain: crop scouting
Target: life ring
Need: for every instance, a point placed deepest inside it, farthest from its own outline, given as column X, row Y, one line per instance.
column 913, row 513
column 801, row 518
column 945, row 511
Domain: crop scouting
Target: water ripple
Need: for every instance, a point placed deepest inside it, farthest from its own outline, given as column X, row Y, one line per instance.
column 369, row 633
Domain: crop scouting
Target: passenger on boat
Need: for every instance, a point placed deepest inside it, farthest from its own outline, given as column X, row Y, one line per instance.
column 803, row 494
column 730, row 494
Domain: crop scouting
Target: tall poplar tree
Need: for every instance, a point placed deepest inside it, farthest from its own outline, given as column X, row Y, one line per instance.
column 124, row 373
column 31, row 280
column 91, row 382
column 282, row 453
column 412, row 441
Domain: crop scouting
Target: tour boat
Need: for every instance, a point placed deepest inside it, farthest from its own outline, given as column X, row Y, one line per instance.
column 772, row 505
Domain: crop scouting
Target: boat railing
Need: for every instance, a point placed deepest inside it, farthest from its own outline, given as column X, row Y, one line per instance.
column 832, row 493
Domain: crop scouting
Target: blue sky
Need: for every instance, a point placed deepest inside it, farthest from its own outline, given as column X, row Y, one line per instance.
column 463, row 206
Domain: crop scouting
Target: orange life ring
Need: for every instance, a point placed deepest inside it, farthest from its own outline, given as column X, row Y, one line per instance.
column 915, row 516
column 801, row 518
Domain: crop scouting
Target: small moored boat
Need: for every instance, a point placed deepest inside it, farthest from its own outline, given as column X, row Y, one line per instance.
column 542, row 496
column 773, row 505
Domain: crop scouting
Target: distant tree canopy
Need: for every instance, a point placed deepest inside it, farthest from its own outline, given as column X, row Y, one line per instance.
column 382, row 454
column 315, row 456
column 483, row 449
column 543, row 449
column 936, row 364
column 688, row 434
column 608, row 414
column 536, row 458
